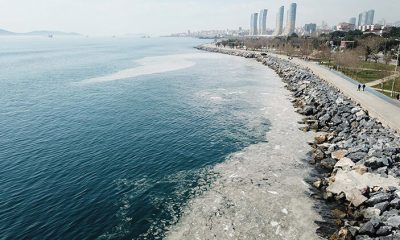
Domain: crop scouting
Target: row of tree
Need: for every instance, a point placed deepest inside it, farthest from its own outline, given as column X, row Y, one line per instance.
column 367, row 46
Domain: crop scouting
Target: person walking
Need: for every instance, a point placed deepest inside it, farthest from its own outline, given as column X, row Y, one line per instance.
column 359, row 87
column 363, row 86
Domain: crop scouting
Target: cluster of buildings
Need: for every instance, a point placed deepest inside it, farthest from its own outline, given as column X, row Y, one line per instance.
column 364, row 23
column 258, row 26
column 212, row 34
column 258, row 22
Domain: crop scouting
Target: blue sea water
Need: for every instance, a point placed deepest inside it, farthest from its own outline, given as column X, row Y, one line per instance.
column 116, row 159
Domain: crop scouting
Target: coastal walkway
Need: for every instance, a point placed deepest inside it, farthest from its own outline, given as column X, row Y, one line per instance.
column 385, row 109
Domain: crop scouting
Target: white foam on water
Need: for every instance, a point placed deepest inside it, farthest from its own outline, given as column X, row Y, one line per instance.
column 242, row 196
column 154, row 65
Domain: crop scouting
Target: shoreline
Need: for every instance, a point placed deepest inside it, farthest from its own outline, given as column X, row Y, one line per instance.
column 360, row 155
column 259, row 191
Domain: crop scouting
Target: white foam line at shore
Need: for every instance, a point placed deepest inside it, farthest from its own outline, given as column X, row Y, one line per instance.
column 154, row 65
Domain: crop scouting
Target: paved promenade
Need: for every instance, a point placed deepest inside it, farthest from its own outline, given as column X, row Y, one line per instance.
column 378, row 105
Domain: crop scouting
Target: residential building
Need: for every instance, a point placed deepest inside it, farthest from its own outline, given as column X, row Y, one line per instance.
column 279, row 21
column 353, row 21
column 262, row 22
column 310, row 28
column 343, row 26
column 254, row 24
column 290, row 20
column 370, row 17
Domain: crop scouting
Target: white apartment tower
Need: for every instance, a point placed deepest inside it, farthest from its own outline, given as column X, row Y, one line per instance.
column 262, row 22
column 253, row 24
column 291, row 20
column 279, row 21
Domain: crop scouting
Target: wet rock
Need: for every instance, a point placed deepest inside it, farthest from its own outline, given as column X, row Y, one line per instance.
column 328, row 163
column 308, row 111
column 318, row 154
column 338, row 214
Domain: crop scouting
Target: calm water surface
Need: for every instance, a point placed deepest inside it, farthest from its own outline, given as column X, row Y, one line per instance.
column 117, row 159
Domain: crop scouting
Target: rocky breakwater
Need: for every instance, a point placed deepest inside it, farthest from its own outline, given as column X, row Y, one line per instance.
column 358, row 157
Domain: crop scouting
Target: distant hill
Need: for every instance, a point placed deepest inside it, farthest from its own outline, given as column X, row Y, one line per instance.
column 37, row 33
column 5, row 32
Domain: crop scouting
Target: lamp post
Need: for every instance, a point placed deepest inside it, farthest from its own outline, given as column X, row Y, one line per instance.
column 395, row 70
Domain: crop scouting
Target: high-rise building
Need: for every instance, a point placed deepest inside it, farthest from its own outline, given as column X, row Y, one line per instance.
column 310, row 28
column 353, row 21
column 370, row 17
column 291, row 20
column 262, row 22
column 364, row 18
column 359, row 19
column 253, row 24
column 279, row 21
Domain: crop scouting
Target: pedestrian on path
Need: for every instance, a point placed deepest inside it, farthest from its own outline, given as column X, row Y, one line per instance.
column 363, row 87
column 359, row 87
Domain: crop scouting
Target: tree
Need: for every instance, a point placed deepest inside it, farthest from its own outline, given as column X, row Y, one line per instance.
column 388, row 57
column 324, row 53
column 305, row 47
column 369, row 45
column 347, row 59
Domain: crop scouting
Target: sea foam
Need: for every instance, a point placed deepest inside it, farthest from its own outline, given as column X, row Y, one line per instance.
column 154, row 65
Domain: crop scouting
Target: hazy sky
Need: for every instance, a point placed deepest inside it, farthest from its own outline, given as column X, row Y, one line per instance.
column 109, row 17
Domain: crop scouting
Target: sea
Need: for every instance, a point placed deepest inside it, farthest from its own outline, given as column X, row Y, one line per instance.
column 111, row 138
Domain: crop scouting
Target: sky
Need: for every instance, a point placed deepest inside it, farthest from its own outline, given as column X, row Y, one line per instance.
column 159, row 17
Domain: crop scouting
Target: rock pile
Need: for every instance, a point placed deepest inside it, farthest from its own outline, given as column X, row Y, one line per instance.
column 360, row 156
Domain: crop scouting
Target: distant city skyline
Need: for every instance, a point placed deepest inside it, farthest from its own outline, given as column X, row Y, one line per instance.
column 102, row 17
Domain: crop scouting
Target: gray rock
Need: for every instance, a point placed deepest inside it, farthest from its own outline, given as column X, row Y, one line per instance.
column 382, row 206
column 377, row 198
column 395, row 203
column 384, row 231
column 356, row 156
column 370, row 227
column 363, row 237
column 375, row 162
column 336, row 120
column 371, row 212
column 394, row 221
column 308, row 110
column 328, row 163
column 318, row 154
